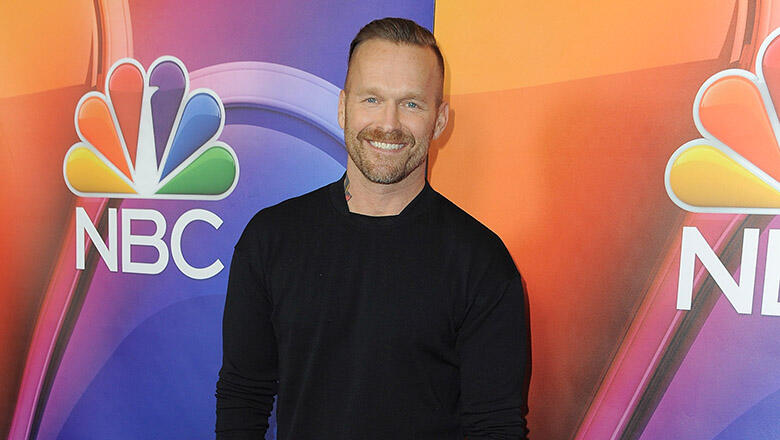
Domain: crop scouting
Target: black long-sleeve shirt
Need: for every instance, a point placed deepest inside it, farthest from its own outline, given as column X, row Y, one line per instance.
column 402, row 327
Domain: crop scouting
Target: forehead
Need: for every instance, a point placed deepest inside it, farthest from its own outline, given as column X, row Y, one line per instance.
column 383, row 64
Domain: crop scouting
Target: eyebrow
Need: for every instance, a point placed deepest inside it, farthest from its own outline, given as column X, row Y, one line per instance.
column 411, row 95
column 415, row 96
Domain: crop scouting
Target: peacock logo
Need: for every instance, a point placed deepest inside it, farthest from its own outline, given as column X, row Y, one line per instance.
column 148, row 136
column 735, row 166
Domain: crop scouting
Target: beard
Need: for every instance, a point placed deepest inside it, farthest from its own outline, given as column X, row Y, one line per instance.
column 385, row 169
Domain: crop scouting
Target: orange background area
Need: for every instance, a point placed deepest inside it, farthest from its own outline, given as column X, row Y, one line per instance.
column 49, row 57
column 43, row 89
column 564, row 115
column 526, row 43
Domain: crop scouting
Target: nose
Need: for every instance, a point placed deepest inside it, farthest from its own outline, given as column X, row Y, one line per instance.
column 390, row 117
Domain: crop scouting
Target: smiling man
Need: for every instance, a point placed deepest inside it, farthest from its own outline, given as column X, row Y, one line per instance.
column 374, row 308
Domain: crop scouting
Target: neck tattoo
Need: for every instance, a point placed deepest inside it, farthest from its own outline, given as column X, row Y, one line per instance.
column 347, row 195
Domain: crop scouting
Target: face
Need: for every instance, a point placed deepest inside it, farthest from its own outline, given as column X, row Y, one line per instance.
column 390, row 109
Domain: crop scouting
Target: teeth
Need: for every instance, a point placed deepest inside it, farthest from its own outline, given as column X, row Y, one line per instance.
column 386, row 146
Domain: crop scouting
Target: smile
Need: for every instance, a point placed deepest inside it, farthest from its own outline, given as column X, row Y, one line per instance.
column 386, row 146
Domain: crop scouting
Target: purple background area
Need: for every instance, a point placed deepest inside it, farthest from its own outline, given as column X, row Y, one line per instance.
column 313, row 36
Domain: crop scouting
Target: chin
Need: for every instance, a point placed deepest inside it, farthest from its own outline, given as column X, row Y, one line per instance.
column 383, row 178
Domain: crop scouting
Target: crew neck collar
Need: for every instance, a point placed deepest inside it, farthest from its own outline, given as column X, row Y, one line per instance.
column 415, row 207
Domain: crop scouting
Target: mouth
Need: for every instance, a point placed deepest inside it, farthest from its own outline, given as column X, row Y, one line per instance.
column 386, row 146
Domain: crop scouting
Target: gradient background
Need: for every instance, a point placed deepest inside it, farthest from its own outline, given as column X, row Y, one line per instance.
column 564, row 115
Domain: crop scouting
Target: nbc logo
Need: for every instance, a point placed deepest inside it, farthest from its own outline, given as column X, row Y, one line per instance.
column 734, row 168
column 148, row 136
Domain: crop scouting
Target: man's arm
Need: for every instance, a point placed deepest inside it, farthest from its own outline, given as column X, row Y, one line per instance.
column 248, row 378
column 494, row 347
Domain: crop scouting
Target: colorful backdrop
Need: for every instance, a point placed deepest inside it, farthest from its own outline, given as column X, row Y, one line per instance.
column 624, row 151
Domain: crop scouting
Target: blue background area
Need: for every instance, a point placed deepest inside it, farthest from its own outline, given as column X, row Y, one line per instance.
column 760, row 422
column 152, row 387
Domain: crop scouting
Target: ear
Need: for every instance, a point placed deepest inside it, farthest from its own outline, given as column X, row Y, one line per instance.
column 342, row 98
column 442, row 116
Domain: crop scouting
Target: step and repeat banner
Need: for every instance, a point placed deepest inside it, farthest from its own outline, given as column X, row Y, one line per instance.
column 627, row 154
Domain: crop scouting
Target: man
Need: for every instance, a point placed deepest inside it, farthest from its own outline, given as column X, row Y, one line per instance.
column 374, row 307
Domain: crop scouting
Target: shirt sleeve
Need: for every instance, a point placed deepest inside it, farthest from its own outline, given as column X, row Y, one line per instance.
column 249, row 375
column 493, row 344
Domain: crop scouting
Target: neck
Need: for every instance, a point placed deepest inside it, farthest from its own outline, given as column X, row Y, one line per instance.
column 377, row 199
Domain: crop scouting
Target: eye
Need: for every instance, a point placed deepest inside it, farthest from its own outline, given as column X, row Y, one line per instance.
column 411, row 104
column 371, row 100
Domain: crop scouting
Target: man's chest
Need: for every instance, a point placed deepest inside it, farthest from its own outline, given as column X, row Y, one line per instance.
column 394, row 289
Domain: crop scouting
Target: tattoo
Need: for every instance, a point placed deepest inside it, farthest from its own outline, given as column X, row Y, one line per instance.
column 347, row 195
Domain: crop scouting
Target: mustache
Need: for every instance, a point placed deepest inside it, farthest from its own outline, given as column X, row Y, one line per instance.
column 396, row 136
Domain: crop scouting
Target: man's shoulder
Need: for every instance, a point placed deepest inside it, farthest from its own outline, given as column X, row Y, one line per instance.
column 456, row 220
column 295, row 207
column 289, row 214
column 471, row 242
